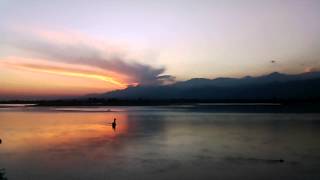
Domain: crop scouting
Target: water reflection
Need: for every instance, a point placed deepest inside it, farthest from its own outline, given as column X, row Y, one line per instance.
column 47, row 129
column 158, row 145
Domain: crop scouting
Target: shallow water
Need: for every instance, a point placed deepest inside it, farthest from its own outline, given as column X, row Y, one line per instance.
column 157, row 143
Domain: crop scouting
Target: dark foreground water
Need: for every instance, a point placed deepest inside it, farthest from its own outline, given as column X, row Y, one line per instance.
column 157, row 143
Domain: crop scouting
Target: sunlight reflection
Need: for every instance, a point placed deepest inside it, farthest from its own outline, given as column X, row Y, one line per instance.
column 54, row 129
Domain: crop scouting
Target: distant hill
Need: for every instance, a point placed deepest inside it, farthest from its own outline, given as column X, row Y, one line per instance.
column 272, row 86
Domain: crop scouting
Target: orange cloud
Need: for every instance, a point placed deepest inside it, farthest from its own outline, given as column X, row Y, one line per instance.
column 70, row 72
column 77, row 50
column 51, row 63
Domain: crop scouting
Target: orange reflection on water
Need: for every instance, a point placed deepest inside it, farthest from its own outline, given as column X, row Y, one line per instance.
column 23, row 131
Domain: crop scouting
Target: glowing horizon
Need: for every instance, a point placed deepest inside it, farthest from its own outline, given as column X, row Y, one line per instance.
column 63, row 71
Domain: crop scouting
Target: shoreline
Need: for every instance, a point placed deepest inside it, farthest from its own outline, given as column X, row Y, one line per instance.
column 249, row 107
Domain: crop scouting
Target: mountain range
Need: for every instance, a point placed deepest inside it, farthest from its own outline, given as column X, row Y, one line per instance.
column 271, row 86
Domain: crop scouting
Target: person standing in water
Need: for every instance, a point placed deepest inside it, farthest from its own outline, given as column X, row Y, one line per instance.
column 114, row 124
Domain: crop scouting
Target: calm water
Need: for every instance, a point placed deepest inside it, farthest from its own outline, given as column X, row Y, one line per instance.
column 157, row 143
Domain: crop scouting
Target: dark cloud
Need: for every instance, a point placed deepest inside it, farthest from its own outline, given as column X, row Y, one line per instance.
column 82, row 53
column 167, row 79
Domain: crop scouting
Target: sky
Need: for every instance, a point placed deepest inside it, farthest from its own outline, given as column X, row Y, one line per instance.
column 75, row 47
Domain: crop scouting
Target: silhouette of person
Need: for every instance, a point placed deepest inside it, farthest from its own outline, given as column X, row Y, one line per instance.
column 3, row 174
column 2, row 171
column 114, row 124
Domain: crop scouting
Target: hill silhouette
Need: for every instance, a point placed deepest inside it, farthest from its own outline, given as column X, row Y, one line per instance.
column 272, row 86
column 303, row 89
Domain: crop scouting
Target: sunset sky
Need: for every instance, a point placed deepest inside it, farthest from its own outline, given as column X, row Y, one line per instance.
column 77, row 47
